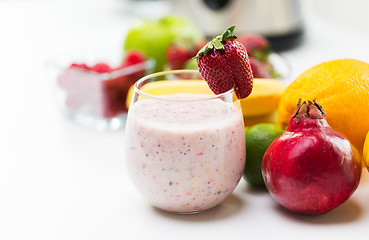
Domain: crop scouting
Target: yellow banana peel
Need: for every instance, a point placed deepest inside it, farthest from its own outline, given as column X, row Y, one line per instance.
column 260, row 106
column 264, row 98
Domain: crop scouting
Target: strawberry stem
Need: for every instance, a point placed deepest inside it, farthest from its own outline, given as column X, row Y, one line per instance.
column 217, row 42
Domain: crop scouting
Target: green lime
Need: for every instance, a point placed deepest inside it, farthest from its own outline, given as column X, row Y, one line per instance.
column 258, row 139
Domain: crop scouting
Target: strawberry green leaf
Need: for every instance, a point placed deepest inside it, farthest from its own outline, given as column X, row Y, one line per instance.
column 217, row 42
column 228, row 34
column 262, row 55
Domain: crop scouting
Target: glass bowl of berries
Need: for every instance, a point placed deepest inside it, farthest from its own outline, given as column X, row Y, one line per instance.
column 94, row 93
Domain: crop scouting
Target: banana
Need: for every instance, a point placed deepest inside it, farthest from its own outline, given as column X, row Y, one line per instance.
column 264, row 98
column 260, row 105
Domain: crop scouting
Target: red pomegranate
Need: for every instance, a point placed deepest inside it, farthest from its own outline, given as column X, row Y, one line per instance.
column 310, row 169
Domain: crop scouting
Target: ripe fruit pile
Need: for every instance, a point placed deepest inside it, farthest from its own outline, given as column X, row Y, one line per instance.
column 313, row 168
column 310, row 168
column 100, row 90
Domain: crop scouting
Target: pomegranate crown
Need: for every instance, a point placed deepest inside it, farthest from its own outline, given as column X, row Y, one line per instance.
column 308, row 109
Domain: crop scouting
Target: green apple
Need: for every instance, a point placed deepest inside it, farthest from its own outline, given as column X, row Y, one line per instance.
column 152, row 37
column 191, row 64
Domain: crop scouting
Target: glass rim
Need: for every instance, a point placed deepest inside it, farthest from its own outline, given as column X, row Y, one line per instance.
column 204, row 97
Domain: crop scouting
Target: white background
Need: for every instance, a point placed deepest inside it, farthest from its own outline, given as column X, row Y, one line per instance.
column 59, row 180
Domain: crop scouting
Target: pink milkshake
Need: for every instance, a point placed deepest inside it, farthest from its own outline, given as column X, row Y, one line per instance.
column 185, row 154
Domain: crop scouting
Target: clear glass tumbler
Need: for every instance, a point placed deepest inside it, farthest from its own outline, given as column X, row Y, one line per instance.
column 184, row 146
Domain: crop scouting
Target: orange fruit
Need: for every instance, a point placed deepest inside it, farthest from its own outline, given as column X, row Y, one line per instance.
column 366, row 151
column 342, row 88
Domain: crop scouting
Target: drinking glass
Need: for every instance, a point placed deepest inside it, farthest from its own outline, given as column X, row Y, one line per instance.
column 184, row 146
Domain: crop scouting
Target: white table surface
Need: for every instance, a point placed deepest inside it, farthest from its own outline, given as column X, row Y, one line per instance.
column 60, row 180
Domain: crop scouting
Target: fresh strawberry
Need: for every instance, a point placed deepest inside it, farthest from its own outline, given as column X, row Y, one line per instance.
column 101, row 68
column 132, row 58
column 179, row 52
column 256, row 45
column 177, row 56
column 79, row 65
column 259, row 69
column 224, row 64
